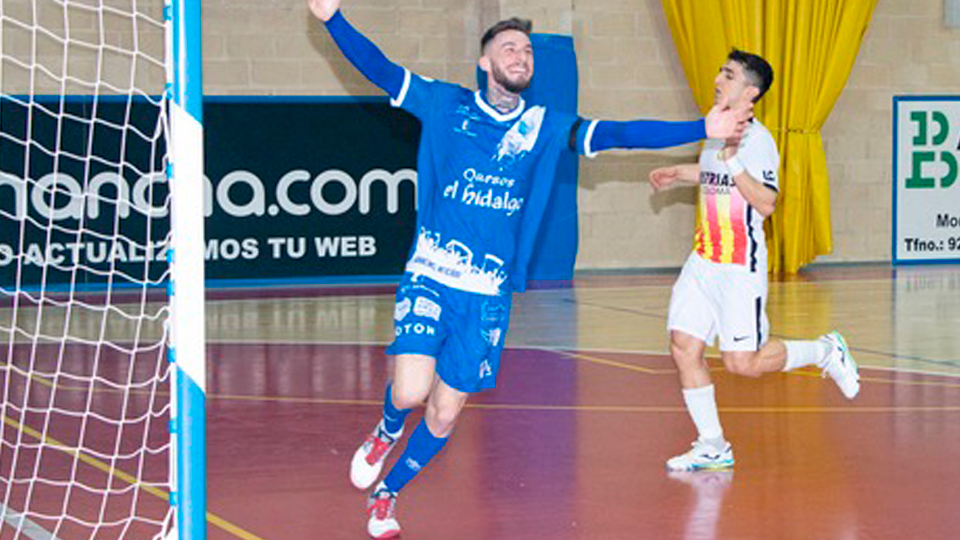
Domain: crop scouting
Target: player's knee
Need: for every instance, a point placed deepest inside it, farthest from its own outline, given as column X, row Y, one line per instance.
column 441, row 419
column 743, row 365
column 408, row 398
column 684, row 356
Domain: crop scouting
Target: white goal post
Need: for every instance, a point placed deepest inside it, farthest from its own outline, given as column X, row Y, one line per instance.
column 102, row 375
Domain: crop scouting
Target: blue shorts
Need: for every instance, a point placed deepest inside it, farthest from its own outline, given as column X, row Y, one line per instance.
column 463, row 331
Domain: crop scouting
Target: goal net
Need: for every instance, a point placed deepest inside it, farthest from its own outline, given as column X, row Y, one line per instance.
column 88, row 388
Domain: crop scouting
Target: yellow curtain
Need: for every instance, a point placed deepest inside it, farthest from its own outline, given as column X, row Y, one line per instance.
column 812, row 45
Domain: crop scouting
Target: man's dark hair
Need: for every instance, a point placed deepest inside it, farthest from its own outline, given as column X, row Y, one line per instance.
column 757, row 70
column 521, row 25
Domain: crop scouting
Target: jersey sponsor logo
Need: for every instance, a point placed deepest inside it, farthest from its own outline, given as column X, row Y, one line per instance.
column 454, row 266
column 521, row 137
column 401, row 309
column 485, row 191
column 465, row 128
column 424, row 307
column 418, row 329
column 485, row 369
column 472, row 175
column 487, row 199
column 492, row 336
column 718, row 183
column 492, row 312
column 416, row 284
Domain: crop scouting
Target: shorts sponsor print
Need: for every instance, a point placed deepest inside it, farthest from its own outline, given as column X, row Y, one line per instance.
column 463, row 331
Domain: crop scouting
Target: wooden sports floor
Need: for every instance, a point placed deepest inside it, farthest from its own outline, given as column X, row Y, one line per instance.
column 571, row 444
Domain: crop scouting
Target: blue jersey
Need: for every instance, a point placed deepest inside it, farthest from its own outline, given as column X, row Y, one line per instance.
column 484, row 179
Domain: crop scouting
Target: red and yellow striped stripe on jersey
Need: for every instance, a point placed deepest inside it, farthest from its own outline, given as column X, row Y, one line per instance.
column 723, row 234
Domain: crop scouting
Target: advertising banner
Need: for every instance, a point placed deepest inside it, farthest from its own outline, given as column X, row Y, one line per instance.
column 307, row 188
column 926, row 194
column 295, row 189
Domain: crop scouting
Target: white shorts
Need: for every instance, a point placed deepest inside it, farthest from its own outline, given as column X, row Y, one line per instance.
column 725, row 300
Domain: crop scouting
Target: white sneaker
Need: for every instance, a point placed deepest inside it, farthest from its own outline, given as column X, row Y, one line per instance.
column 368, row 459
column 702, row 456
column 382, row 511
column 840, row 366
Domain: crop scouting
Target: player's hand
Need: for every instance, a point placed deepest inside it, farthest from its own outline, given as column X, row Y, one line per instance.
column 663, row 177
column 324, row 9
column 724, row 122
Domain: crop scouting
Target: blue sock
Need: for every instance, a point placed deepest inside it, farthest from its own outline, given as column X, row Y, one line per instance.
column 421, row 447
column 393, row 418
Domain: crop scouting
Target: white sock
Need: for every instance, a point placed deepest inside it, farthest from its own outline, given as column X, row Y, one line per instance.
column 702, row 406
column 805, row 353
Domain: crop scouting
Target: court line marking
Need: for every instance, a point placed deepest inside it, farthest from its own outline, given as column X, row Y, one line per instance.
column 212, row 518
column 584, row 287
column 30, row 529
column 560, row 349
column 892, row 356
column 600, row 408
column 592, row 350
column 713, row 356
column 637, row 312
column 672, row 276
column 631, row 367
column 807, row 373
column 801, row 372
column 591, row 408
column 678, row 409
column 667, row 274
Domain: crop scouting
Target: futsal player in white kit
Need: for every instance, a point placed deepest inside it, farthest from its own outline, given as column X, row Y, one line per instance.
column 721, row 293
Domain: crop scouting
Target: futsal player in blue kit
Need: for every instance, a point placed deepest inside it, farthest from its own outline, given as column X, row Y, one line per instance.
column 486, row 167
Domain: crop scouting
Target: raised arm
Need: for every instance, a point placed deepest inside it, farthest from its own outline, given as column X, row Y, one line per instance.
column 360, row 51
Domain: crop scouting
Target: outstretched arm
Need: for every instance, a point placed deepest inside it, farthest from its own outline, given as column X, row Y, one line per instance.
column 361, row 52
column 721, row 122
column 606, row 134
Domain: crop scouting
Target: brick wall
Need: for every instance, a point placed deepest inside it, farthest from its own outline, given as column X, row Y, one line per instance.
column 628, row 69
column 907, row 50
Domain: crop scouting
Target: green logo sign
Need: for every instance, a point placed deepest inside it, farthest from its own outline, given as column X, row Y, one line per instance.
column 941, row 125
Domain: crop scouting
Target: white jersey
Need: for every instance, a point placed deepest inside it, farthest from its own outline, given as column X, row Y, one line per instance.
column 729, row 230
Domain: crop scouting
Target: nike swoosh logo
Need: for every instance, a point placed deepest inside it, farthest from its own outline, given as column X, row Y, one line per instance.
column 740, row 338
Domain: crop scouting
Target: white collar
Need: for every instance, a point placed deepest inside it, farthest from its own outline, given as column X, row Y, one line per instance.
column 495, row 114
